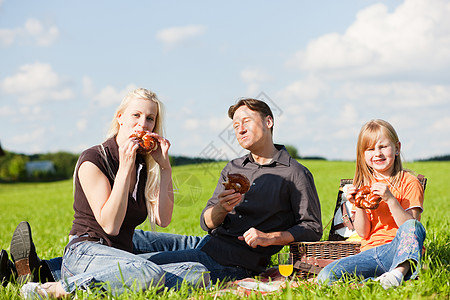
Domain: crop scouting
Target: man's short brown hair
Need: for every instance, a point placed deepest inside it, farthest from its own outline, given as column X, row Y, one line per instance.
column 254, row 104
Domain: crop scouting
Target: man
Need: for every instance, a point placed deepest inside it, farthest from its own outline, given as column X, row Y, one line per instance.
column 281, row 206
column 244, row 231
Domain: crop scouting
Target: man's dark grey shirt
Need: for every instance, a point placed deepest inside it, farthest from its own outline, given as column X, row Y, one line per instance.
column 282, row 197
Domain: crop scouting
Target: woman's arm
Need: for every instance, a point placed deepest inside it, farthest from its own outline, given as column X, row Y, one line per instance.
column 164, row 204
column 109, row 205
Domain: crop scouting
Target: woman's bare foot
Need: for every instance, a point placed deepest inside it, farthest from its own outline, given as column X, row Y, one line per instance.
column 54, row 289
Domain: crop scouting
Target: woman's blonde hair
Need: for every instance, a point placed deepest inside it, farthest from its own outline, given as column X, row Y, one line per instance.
column 368, row 136
column 152, row 184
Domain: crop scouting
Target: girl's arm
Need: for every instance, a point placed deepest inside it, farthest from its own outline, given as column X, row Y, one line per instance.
column 164, row 204
column 109, row 205
column 398, row 212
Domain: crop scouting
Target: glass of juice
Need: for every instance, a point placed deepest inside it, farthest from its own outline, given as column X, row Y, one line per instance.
column 285, row 264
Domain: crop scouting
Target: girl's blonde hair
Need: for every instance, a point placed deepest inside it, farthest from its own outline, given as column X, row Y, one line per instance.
column 152, row 184
column 368, row 136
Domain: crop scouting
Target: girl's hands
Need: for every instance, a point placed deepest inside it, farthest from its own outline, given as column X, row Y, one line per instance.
column 351, row 192
column 382, row 189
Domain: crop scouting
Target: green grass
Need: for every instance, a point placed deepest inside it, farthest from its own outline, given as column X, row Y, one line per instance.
column 48, row 208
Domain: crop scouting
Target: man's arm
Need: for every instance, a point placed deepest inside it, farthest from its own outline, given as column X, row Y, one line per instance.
column 215, row 215
column 306, row 208
column 218, row 206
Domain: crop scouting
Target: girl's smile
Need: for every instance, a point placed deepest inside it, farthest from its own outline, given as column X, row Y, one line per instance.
column 381, row 156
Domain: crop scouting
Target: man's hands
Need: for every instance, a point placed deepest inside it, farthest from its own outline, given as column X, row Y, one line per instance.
column 215, row 215
column 254, row 238
column 228, row 199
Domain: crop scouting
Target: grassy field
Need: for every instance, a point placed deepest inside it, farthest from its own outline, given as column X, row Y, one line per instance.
column 48, row 208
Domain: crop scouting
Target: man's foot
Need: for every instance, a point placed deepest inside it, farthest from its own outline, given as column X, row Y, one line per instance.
column 23, row 253
column 7, row 268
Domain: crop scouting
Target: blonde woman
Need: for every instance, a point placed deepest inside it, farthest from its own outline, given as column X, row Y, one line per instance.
column 115, row 190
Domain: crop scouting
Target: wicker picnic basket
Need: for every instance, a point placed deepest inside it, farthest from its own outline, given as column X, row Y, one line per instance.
column 311, row 257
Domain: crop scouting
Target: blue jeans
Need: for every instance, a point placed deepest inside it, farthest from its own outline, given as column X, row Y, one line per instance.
column 87, row 264
column 406, row 246
column 164, row 248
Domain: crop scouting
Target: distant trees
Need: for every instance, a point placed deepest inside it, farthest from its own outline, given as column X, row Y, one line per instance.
column 13, row 167
column 292, row 150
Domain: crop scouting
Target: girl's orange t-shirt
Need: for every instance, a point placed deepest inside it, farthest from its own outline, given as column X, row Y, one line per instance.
column 383, row 227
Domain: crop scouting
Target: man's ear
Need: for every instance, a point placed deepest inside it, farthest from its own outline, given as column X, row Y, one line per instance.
column 269, row 122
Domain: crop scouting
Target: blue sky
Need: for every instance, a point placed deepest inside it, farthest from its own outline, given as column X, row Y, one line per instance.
column 325, row 67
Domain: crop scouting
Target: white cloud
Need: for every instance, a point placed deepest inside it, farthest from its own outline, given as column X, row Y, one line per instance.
column 303, row 93
column 396, row 94
column 191, row 124
column 173, row 36
column 32, row 137
column 36, row 83
column 32, row 31
column 254, row 74
column 442, row 125
column 7, row 37
column 88, row 86
column 6, row 111
column 254, row 78
column 413, row 37
column 82, row 124
column 109, row 95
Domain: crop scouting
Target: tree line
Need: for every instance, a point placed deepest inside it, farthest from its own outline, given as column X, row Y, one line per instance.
column 13, row 166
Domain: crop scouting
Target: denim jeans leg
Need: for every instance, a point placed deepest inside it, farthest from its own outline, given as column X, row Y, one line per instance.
column 217, row 271
column 54, row 265
column 192, row 274
column 87, row 264
column 166, row 248
column 407, row 246
column 148, row 241
column 363, row 264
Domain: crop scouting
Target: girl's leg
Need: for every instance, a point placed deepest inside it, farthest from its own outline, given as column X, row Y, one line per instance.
column 407, row 248
column 409, row 243
column 364, row 264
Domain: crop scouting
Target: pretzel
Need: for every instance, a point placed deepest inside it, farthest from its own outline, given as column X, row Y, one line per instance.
column 366, row 199
column 147, row 143
column 237, row 182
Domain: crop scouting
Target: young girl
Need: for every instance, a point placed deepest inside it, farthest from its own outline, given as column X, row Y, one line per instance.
column 115, row 190
column 392, row 236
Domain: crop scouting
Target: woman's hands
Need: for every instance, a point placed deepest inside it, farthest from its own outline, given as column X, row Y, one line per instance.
column 127, row 154
column 161, row 154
